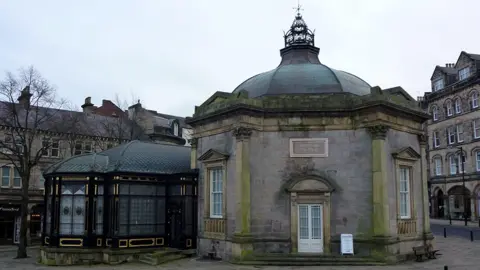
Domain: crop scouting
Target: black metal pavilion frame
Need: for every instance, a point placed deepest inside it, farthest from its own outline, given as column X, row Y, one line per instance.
column 175, row 211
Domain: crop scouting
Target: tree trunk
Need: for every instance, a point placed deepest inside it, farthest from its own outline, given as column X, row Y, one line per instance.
column 22, row 246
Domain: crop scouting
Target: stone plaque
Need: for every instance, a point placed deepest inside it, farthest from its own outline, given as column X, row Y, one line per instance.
column 309, row 147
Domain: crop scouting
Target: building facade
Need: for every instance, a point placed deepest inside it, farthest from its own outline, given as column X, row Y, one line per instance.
column 454, row 138
column 297, row 156
column 71, row 133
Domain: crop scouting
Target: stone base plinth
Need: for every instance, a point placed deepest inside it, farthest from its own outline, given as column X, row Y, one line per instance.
column 87, row 256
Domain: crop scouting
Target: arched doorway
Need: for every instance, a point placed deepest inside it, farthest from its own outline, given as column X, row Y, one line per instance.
column 476, row 199
column 440, row 204
column 459, row 202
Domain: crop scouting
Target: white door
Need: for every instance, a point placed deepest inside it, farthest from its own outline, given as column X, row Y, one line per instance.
column 310, row 228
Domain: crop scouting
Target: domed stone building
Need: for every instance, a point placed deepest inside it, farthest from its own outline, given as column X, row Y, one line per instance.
column 298, row 155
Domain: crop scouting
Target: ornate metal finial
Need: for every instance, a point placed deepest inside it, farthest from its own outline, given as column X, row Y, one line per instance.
column 299, row 34
column 298, row 7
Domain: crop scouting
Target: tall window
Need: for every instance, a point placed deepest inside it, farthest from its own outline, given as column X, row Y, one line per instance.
column 405, row 206
column 216, row 193
column 464, row 73
column 476, row 128
column 72, row 209
column 5, row 176
column 436, row 139
column 477, row 156
column 475, row 100
column 459, row 129
column 458, row 105
column 438, row 85
column 17, row 180
column 438, row 166
column 175, row 129
column 435, row 113
column 451, row 135
column 453, row 164
column 449, row 108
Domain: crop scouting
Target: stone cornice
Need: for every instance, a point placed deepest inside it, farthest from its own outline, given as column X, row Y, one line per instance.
column 244, row 108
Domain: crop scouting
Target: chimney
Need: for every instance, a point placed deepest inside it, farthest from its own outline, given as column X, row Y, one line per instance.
column 88, row 106
column 24, row 97
column 450, row 65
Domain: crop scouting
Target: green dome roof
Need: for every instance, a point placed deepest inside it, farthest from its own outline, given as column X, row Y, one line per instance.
column 300, row 70
column 133, row 157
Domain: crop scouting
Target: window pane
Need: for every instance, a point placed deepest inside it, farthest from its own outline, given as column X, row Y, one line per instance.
column 17, row 180
column 303, row 221
column 316, row 222
column 5, row 176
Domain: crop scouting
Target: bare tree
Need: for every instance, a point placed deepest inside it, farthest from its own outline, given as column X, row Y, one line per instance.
column 29, row 112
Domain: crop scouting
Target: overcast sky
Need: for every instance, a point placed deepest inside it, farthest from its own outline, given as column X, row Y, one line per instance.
column 173, row 55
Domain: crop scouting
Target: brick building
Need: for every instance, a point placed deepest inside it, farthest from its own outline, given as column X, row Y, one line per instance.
column 454, row 128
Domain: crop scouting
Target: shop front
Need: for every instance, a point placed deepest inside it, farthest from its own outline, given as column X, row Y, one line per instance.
column 9, row 224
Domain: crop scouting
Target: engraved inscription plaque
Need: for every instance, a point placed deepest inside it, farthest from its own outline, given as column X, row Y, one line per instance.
column 309, row 147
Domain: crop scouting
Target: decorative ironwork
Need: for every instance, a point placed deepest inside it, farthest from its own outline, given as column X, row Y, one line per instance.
column 299, row 34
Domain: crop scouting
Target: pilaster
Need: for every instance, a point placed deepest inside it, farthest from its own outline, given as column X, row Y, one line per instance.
column 380, row 213
column 193, row 154
column 422, row 139
column 242, row 246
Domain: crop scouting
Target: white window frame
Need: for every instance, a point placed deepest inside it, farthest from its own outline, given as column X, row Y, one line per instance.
column 435, row 113
column 53, row 147
column 451, row 134
column 474, row 100
column 438, row 85
column 175, row 129
column 436, row 139
column 438, row 166
column 404, row 177
column 458, row 106
column 477, row 160
column 216, row 174
column 459, row 131
column 452, row 164
column 476, row 128
column 463, row 73
column 449, row 108
column 82, row 150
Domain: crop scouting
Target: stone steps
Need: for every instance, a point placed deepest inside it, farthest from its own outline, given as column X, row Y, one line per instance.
column 310, row 260
column 166, row 255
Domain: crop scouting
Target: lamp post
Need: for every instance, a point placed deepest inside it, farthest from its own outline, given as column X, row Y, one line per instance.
column 462, row 160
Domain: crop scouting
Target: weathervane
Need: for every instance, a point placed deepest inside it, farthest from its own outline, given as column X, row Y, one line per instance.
column 298, row 8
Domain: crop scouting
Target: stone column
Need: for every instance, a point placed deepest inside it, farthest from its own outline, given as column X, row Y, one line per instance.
column 193, row 154
column 381, row 217
column 424, row 177
column 242, row 180
column 242, row 244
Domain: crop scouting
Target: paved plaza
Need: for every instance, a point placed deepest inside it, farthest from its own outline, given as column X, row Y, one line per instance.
column 457, row 253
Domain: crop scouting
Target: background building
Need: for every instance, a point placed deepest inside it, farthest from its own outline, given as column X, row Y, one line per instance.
column 454, row 127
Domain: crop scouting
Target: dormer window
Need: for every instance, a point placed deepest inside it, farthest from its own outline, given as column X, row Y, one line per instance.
column 435, row 113
column 474, row 100
column 438, row 85
column 463, row 73
column 458, row 106
column 449, row 108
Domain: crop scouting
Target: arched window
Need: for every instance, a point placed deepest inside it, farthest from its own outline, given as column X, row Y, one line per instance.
column 435, row 113
column 449, row 108
column 438, row 165
column 456, row 165
column 474, row 100
column 477, row 160
column 458, row 105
